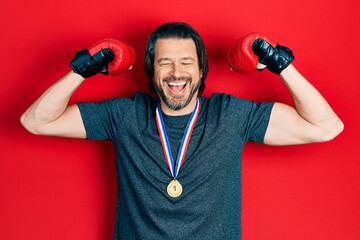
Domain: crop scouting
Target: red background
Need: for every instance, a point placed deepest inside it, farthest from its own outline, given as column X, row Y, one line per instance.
column 56, row 188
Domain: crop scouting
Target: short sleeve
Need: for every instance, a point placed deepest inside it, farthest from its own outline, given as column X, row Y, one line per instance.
column 101, row 119
column 258, row 121
column 248, row 120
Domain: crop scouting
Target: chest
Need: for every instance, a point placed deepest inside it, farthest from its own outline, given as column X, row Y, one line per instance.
column 213, row 150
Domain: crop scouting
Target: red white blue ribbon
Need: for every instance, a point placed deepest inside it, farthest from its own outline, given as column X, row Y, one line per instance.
column 184, row 142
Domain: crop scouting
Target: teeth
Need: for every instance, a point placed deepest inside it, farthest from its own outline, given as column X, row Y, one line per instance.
column 176, row 83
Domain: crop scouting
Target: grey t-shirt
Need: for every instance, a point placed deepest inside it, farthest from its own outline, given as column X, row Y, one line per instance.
column 210, row 205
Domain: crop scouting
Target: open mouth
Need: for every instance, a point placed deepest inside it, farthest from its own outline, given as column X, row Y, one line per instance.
column 177, row 87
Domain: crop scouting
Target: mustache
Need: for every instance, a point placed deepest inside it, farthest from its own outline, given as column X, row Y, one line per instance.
column 172, row 78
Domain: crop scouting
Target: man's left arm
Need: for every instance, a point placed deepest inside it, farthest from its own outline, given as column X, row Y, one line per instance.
column 312, row 119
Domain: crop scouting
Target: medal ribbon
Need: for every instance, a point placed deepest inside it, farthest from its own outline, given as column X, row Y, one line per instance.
column 184, row 142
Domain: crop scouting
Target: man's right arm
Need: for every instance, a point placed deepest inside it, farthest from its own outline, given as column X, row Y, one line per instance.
column 51, row 115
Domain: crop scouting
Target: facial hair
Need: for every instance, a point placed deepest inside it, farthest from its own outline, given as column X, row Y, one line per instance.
column 167, row 101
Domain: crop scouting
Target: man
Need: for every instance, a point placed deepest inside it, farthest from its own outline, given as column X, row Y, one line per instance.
column 171, row 187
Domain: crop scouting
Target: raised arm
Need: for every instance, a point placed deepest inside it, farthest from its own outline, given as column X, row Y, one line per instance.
column 312, row 119
column 50, row 114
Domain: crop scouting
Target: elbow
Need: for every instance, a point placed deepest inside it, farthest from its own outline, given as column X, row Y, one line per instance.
column 332, row 131
column 340, row 127
column 27, row 123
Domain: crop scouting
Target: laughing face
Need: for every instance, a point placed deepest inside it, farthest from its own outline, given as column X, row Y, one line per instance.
column 176, row 74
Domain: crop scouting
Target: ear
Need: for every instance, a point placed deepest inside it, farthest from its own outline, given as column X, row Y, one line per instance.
column 201, row 73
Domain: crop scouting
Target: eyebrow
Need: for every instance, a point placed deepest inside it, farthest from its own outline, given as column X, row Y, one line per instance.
column 168, row 59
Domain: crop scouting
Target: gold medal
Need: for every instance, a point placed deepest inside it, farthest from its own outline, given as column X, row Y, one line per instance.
column 174, row 189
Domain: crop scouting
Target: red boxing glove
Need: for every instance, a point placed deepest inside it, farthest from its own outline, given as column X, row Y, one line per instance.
column 124, row 55
column 253, row 48
column 241, row 57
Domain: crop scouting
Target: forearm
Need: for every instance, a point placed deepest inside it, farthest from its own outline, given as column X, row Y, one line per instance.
column 309, row 103
column 52, row 103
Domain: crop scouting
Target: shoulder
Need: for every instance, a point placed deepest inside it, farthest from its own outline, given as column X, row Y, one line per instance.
column 232, row 108
column 227, row 102
column 117, row 105
column 138, row 99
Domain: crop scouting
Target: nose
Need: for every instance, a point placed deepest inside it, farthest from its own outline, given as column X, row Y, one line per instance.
column 176, row 70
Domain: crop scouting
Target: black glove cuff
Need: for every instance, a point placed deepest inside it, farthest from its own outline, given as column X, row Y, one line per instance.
column 82, row 65
column 276, row 59
column 283, row 57
column 87, row 66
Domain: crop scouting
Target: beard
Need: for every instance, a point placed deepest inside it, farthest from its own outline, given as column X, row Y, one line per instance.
column 177, row 102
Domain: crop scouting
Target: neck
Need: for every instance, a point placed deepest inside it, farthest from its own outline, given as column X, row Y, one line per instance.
column 184, row 111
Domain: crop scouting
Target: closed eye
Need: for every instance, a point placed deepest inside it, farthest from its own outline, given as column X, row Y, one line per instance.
column 164, row 63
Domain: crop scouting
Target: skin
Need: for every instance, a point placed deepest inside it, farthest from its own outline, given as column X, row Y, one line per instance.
column 176, row 62
column 312, row 119
column 51, row 115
